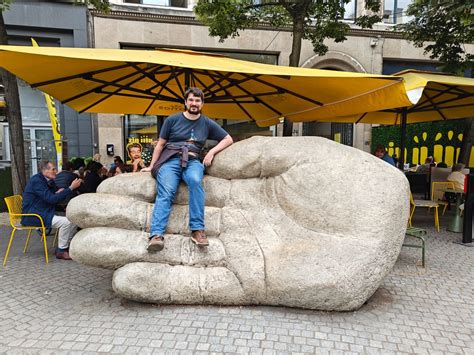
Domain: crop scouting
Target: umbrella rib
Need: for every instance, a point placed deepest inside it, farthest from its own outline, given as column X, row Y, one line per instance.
column 205, row 87
column 176, row 78
column 152, row 78
column 82, row 75
column 287, row 91
column 436, row 108
column 426, row 105
column 420, row 104
column 133, row 95
column 441, row 92
column 232, row 82
column 258, row 99
column 120, row 87
column 109, row 95
column 217, row 82
column 162, row 86
column 236, row 102
column 447, row 107
column 453, row 87
column 100, row 88
column 361, row 117
column 221, row 98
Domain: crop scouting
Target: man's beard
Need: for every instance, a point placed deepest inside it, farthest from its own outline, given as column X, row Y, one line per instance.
column 193, row 110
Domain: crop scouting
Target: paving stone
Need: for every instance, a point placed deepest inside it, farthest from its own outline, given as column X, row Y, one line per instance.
column 65, row 307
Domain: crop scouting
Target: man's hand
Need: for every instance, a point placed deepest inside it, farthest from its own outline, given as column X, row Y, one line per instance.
column 75, row 184
column 208, row 159
column 146, row 170
column 138, row 163
column 224, row 143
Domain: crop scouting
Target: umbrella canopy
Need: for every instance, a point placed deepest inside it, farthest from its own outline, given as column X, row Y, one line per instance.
column 435, row 97
column 154, row 81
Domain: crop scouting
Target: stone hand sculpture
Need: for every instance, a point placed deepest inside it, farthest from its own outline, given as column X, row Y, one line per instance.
column 298, row 221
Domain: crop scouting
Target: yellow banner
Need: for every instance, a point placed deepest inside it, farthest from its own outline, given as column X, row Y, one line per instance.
column 53, row 116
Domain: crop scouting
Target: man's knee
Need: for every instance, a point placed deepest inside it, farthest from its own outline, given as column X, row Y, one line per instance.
column 194, row 180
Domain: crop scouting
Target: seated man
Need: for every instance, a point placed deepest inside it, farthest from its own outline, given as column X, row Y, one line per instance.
column 425, row 168
column 381, row 153
column 63, row 180
column 176, row 158
column 457, row 177
column 40, row 197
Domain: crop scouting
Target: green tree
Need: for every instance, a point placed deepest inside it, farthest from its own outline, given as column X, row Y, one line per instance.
column 12, row 100
column 314, row 20
column 442, row 28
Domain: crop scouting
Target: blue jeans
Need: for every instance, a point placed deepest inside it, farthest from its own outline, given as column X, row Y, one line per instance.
column 168, row 179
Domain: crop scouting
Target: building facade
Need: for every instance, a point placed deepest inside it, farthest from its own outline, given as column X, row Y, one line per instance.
column 54, row 24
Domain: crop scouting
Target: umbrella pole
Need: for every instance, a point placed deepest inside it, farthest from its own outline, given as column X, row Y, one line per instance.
column 403, row 135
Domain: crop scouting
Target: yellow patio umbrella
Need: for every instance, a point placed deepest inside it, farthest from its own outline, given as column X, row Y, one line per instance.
column 153, row 82
column 435, row 97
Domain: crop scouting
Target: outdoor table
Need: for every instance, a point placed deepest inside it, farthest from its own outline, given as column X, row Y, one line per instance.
column 456, row 224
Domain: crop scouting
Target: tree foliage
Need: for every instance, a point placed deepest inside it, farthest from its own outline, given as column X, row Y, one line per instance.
column 442, row 27
column 314, row 20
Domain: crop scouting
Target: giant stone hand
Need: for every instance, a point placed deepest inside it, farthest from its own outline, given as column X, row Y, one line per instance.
column 301, row 222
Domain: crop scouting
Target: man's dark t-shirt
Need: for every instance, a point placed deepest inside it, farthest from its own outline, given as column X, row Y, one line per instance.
column 177, row 128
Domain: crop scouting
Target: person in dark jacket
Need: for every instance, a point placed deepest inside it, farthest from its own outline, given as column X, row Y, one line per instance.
column 40, row 197
column 94, row 177
column 63, row 180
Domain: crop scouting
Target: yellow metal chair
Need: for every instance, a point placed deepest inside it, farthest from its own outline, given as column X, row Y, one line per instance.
column 424, row 203
column 14, row 205
column 437, row 193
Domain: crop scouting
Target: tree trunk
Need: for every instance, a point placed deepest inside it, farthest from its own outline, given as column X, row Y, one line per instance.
column 467, row 139
column 298, row 30
column 15, row 126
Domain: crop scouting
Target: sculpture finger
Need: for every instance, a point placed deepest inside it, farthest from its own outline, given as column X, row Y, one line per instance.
column 142, row 186
column 179, row 284
column 112, row 248
column 105, row 210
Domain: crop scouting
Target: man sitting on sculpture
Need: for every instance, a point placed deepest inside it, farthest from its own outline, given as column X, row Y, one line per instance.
column 176, row 157
column 40, row 197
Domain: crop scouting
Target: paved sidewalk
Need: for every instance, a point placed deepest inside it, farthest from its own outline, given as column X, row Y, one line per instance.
column 66, row 307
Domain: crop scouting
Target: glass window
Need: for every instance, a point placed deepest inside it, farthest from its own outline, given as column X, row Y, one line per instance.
column 33, row 105
column 141, row 130
column 350, row 10
column 394, row 11
column 171, row 3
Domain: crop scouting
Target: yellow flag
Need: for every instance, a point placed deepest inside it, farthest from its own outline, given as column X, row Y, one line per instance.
column 53, row 116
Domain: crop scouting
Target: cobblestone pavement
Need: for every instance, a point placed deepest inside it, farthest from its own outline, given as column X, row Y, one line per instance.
column 66, row 307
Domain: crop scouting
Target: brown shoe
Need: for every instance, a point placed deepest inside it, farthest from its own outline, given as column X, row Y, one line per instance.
column 199, row 238
column 63, row 255
column 156, row 243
